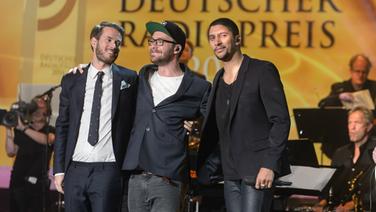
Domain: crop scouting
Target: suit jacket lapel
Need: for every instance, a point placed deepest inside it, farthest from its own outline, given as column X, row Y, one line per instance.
column 148, row 72
column 238, row 86
column 215, row 87
column 211, row 98
column 80, row 89
column 116, row 78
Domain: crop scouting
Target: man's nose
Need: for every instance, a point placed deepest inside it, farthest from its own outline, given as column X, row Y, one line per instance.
column 217, row 40
column 114, row 45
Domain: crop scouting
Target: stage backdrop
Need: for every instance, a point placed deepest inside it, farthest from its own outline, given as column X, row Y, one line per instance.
column 310, row 41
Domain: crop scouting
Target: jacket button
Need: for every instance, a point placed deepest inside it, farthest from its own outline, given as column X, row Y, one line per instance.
column 154, row 110
column 148, row 129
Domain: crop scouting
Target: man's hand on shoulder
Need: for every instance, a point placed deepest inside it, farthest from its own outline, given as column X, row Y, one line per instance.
column 79, row 68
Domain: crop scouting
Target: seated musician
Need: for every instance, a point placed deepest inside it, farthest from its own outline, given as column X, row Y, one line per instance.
column 350, row 188
column 360, row 66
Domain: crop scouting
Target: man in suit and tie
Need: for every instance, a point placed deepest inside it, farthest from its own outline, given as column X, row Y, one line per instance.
column 168, row 94
column 247, row 115
column 96, row 114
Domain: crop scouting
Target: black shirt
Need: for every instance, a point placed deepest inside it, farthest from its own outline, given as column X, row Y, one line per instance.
column 31, row 157
column 222, row 111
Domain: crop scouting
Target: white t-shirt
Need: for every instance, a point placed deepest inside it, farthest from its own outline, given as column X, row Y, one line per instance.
column 163, row 87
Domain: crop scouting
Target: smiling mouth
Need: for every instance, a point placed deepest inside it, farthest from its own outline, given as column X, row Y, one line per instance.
column 111, row 52
column 219, row 49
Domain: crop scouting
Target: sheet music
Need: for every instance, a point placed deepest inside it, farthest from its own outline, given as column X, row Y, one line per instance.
column 308, row 178
column 361, row 98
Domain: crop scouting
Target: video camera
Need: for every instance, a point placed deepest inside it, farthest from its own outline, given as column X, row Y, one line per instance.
column 20, row 109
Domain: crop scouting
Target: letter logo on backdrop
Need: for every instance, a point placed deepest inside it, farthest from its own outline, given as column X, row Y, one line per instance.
column 58, row 18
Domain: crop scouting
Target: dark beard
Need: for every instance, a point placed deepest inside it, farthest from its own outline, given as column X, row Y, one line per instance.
column 225, row 58
column 106, row 60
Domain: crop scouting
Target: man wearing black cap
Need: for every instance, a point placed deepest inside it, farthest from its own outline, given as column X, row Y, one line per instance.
column 168, row 94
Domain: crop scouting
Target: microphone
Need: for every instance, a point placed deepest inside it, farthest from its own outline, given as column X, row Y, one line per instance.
column 49, row 91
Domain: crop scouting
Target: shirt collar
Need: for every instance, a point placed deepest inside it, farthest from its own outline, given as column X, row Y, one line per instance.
column 93, row 71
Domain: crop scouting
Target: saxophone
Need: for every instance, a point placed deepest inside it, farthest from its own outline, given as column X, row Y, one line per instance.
column 354, row 190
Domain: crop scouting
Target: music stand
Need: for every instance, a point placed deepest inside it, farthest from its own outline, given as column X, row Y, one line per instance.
column 328, row 126
column 301, row 152
column 320, row 178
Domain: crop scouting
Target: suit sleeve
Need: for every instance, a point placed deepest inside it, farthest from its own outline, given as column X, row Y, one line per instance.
column 333, row 98
column 274, row 100
column 204, row 101
column 62, row 125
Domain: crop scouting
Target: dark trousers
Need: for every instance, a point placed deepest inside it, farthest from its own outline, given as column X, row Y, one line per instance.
column 124, row 204
column 240, row 197
column 151, row 193
column 93, row 187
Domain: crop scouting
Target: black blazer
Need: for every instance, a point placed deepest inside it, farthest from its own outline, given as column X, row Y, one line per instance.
column 259, row 120
column 71, row 106
column 157, row 142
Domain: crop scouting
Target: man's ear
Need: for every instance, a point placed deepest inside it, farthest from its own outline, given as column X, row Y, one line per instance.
column 177, row 49
column 93, row 42
column 237, row 40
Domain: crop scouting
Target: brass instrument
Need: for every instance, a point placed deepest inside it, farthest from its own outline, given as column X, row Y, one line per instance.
column 353, row 189
column 194, row 136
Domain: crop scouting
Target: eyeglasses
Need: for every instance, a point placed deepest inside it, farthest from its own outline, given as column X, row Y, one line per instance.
column 159, row 42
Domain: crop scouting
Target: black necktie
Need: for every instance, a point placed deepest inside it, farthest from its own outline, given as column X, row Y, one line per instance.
column 95, row 111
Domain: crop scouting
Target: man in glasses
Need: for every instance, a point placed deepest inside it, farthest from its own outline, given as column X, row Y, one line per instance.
column 168, row 94
column 360, row 66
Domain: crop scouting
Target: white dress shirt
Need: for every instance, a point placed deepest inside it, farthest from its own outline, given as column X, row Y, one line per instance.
column 103, row 150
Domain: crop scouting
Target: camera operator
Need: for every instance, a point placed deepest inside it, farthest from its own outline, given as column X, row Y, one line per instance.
column 31, row 143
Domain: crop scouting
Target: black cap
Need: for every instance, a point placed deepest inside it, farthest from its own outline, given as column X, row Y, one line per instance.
column 169, row 28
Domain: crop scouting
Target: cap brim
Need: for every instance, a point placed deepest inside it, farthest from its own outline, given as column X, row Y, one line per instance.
column 152, row 27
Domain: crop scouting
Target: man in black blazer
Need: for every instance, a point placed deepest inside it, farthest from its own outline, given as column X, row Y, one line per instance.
column 247, row 114
column 96, row 114
column 168, row 94
column 360, row 66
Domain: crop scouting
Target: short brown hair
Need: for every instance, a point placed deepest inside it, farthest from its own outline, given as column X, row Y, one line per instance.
column 97, row 29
